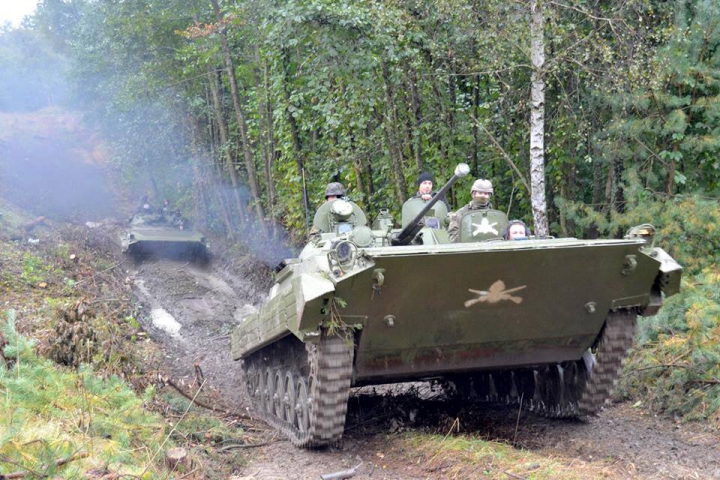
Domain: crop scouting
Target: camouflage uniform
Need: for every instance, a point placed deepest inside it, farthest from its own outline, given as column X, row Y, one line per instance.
column 480, row 185
column 456, row 218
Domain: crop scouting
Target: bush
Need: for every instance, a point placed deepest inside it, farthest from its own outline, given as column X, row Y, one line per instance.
column 50, row 413
column 687, row 227
column 675, row 367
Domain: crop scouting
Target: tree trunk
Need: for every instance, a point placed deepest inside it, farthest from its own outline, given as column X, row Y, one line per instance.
column 294, row 131
column 240, row 114
column 416, row 103
column 568, row 193
column 670, row 181
column 537, row 119
column 267, row 137
column 207, row 180
column 224, row 141
column 452, row 93
column 359, row 173
column 619, row 191
column 475, row 153
column 607, row 206
column 393, row 147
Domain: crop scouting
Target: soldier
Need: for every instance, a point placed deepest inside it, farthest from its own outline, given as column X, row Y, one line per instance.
column 322, row 221
column 333, row 191
column 481, row 192
column 424, row 194
column 145, row 206
column 516, row 230
column 425, row 189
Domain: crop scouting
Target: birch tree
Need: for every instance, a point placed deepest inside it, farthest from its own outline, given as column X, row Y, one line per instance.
column 537, row 118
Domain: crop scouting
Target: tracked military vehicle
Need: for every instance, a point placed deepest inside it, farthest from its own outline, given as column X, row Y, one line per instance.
column 155, row 234
column 546, row 322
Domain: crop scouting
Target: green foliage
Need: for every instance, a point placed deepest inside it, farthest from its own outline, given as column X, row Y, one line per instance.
column 676, row 366
column 372, row 93
column 34, row 269
column 669, row 127
column 334, row 322
column 202, row 428
column 687, row 227
column 48, row 413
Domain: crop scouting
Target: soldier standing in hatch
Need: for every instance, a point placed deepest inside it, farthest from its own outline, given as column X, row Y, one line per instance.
column 481, row 192
column 425, row 189
column 516, row 230
column 333, row 191
column 145, row 206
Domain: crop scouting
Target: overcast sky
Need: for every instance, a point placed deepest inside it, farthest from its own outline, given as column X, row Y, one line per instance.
column 13, row 11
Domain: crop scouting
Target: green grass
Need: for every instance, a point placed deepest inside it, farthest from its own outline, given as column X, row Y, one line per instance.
column 465, row 456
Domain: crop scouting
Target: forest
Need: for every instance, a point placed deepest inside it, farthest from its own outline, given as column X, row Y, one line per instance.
column 240, row 112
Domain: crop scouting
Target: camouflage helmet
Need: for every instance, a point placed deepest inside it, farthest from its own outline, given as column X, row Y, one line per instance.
column 334, row 189
column 482, row 185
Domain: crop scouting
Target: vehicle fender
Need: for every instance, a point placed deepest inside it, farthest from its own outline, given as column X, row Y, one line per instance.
column 311, row 292
column 670, row 273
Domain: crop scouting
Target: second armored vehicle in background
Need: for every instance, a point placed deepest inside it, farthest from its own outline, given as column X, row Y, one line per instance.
column 153, row 234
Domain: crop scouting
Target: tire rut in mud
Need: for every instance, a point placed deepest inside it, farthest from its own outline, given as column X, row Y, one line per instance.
column 203, row 304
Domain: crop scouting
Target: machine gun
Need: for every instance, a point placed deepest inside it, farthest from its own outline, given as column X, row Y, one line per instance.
column 413, row 228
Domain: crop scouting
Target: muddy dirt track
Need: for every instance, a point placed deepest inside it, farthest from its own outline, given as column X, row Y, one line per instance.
column 207, row 301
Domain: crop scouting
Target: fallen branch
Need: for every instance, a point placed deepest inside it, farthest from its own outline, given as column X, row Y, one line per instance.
column 201, row 404
column 341, row 474
column 34, row 223
column 58, row 463
column 193, row 399
column 674, row 365
column 233, row 446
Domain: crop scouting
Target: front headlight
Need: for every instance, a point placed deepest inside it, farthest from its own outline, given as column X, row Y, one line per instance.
column 345, row 253
column 645, row 231
column 362, row 236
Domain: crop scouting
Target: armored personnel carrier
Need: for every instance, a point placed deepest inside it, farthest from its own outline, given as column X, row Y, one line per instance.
column 154, row 234
column 546, row 322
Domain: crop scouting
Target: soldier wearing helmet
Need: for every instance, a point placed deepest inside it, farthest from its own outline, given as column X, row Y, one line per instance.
column 486, row 226
column 333, row 191
column 481, row 192
column 323, row 220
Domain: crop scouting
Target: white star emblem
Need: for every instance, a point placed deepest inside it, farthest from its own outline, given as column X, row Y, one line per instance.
column 484, row 227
